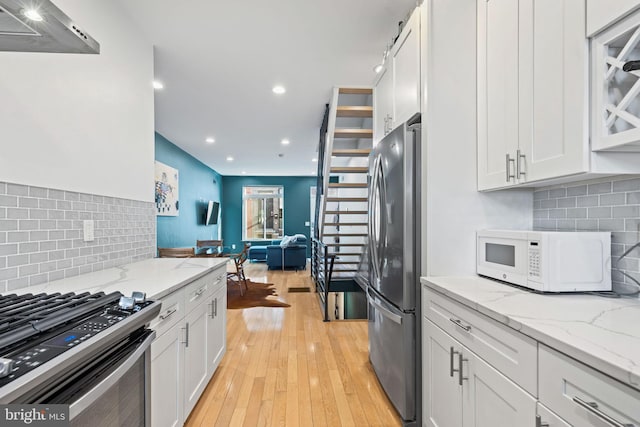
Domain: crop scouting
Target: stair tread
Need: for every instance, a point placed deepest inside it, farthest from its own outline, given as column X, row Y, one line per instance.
column 355, row 91
column 339, row 254
column 345, row 234
column 355, row 152
column 346, row 213
column 348, row 185
column 353, row 133
column 349, row 169
column 346, row 199
column 345, row 244
column 346, row 224
column 354, row 111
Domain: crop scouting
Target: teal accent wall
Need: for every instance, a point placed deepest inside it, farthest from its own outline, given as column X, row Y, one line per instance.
column 197, row 184
column 296, row 205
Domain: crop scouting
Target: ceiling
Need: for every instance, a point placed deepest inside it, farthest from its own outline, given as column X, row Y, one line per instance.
column 219, row 60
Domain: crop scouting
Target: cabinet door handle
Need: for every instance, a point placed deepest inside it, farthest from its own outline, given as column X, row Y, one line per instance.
column 167, row 314
column 509, row 161
column 539, row 422
column 186, row 335
column 452, row 353
column 216, row 306
column 459, row 323
column 520, row 171
column 593, row 408
column 212, row 313
column 461, row 360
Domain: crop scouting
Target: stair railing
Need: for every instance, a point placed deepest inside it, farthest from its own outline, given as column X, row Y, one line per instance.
column 322, row 263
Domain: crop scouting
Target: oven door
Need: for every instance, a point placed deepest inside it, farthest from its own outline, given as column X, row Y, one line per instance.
column 110, row 391
column 503, row 258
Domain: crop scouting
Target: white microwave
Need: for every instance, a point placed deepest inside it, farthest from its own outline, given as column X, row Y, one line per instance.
column 546, row 261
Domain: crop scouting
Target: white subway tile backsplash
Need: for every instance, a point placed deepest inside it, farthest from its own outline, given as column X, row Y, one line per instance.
column 611, row 204
column 41, row 234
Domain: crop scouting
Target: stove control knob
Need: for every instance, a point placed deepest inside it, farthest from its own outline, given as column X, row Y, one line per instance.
column 6, row 366
column 138, row 296
column 126, row 303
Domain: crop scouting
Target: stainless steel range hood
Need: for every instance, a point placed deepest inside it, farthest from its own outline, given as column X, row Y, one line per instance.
column 51, row 30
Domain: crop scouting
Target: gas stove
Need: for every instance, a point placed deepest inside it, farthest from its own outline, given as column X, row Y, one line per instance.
column 43, row 337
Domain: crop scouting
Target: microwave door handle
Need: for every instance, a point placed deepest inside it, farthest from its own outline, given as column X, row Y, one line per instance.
column 88, row 398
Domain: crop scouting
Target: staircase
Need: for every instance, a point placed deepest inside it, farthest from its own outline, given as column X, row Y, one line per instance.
column 342, row 195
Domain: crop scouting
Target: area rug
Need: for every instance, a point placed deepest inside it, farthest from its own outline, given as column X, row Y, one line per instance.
column 257, row 295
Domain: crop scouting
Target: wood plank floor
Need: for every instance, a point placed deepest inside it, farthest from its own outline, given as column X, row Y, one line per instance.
column 285, row 367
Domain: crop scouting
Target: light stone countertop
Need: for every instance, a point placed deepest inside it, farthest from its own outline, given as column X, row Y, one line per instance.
column 157, row 277
column 601, row 332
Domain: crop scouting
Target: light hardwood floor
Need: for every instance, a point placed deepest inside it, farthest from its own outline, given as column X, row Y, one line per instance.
column 286, row 367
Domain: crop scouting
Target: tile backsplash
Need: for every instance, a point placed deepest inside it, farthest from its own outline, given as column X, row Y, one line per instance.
column 41, row 234
column 611, row 204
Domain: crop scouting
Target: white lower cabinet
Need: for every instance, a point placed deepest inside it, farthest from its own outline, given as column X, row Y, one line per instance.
column 167, row 355
column 460, row 389
column 195, row 355
column 190, row 343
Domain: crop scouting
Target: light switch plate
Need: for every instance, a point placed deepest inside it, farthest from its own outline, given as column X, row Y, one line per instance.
column 87, row 230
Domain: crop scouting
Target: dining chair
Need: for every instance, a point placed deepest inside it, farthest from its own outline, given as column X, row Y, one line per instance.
column 238, row 261
column 176, row 252
column 216, row 246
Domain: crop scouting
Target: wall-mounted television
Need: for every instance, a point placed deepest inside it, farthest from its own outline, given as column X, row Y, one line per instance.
column 211, row 213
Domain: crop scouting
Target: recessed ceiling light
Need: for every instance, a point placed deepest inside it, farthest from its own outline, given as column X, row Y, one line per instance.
column 314, row 160
column 229, row 159
column 158, row 84
column 285, row 142
column 279, row 90
column 210, row 140
column 33, row 15
column 378, row 68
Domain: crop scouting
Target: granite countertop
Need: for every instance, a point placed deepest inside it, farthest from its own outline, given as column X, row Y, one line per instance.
column 601, row 332
column 157, row 277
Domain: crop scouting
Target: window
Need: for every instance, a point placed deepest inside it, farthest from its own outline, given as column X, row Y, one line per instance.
column 262, row 212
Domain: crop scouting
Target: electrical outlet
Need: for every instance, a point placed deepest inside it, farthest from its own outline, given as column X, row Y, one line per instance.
column 88, row 230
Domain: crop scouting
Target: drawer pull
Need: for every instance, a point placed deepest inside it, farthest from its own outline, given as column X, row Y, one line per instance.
column 593, row 408
column 459, row 323
column 168, row 314
column 199, row 292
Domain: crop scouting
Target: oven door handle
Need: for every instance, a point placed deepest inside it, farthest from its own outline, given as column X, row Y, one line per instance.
column 96, row 392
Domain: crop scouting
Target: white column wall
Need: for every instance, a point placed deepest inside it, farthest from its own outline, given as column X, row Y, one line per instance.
column 452, row 209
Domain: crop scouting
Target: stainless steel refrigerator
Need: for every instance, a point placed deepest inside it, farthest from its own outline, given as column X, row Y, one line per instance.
column 394, row 256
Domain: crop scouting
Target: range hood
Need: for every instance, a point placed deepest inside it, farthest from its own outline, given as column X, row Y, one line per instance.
column 39, row 26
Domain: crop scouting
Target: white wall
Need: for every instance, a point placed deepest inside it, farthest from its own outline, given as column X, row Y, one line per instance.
column 81, row 122
column 452, row 209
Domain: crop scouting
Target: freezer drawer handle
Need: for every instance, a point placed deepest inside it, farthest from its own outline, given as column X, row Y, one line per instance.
column 593, row 408
column 386, row 313
column 459, row 323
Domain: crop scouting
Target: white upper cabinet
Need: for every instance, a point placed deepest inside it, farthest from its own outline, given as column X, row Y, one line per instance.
column 533, row 99
column 497, row 92
column 602, row 13
column 616, row 93
column 406, row 71
column 397, row 88
column 553, row 89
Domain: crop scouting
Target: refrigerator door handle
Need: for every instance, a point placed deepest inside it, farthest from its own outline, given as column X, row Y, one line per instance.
column 385, row 312
column 373, row 217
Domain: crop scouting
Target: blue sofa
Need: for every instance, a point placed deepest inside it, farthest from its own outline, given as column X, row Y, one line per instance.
column 294, row 254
